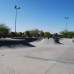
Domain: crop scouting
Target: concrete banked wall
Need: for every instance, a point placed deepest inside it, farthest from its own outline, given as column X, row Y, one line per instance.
column 57, row 41
column 49, row 41
column 66, row 41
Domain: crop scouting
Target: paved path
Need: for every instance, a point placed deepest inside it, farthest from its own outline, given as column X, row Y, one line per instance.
column 44, row 59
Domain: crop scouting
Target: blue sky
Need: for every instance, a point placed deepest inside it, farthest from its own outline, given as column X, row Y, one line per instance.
column 46, row 15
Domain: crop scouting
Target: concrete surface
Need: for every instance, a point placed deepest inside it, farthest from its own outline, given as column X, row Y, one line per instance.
column 45, row 58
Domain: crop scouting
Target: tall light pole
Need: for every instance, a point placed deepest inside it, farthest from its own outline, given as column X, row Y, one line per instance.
column 66, row 22
column 16, row 8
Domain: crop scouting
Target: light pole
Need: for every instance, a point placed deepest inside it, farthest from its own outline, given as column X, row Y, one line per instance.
column 66, row 22
column 16, row 8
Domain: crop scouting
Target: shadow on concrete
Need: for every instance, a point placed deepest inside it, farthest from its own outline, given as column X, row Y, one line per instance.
column 56, row 40
column 9, row 42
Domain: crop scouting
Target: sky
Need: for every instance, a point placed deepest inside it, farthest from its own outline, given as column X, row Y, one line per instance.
column 46, row 15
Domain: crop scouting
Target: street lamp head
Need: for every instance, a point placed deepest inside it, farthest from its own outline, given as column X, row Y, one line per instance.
column 66, row 17
column 16, row 7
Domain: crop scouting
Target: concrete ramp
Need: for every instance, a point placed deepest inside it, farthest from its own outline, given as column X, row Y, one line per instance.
column 49, row 41
column 36, row 41
column 14, row 43
column 67, row 41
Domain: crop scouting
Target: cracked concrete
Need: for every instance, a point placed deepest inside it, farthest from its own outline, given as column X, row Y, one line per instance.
column 46, row 59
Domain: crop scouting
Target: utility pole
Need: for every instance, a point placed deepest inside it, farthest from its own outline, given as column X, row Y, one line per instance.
column 66, row 22
column 16, row 8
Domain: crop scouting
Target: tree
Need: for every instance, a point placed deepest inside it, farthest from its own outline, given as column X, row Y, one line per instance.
column 41, row 33
column 19, row 34
column 64, row 33
column 34, row 33
column 47, row 34
column 37, row 33
column 12, row 34
column 4, row 30
column 55, row 35
column 67, row 34
column 27, row 33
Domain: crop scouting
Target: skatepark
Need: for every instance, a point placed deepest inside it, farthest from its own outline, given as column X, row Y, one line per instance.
column 44, row 56
column 36, row 37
